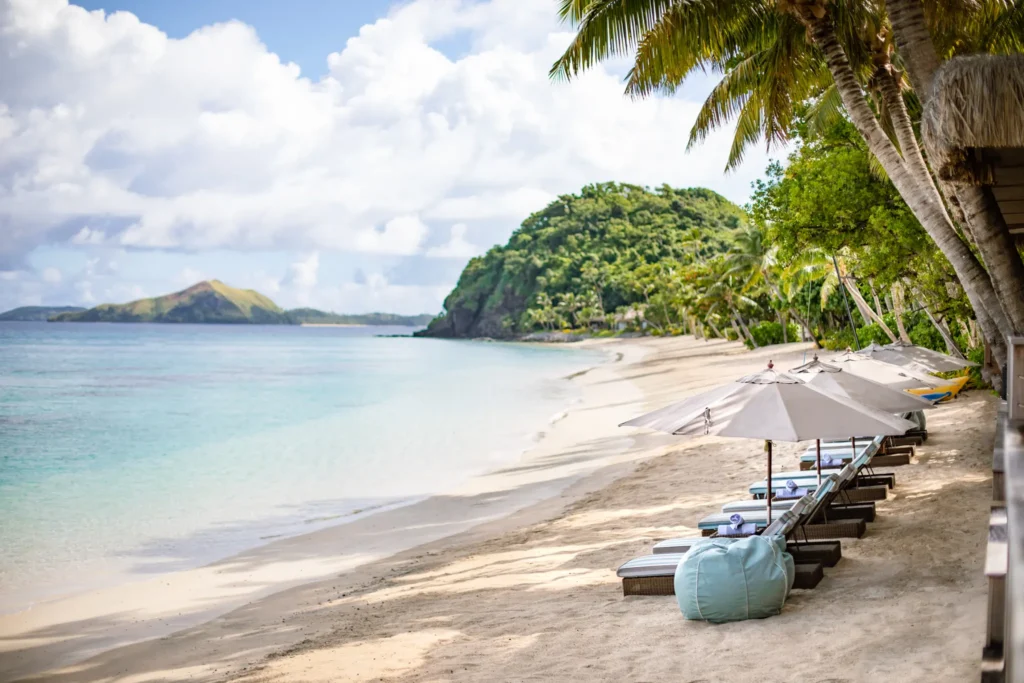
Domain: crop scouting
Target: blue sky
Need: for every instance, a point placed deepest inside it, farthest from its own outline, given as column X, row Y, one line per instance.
column 300, row 31
column 350, row 155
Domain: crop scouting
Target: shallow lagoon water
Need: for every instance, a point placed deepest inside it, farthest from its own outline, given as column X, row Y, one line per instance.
column 128, row 450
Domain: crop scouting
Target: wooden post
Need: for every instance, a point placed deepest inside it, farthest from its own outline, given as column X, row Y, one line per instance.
column 819, row 462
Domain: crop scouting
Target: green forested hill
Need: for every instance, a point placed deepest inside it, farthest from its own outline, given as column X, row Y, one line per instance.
column 583, row 257
column 206, row 302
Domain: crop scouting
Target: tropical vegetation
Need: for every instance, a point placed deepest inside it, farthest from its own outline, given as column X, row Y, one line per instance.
column 610, row 257
column 869, row 64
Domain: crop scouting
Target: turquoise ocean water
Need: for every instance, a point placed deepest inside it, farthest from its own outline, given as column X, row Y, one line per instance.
column 130, row 450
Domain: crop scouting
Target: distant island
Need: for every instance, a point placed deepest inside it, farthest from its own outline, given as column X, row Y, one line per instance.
column 36, row 313
column 312, row 316
column 210, row 301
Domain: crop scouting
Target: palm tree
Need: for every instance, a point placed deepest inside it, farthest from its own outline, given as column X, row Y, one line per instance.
column 753, row 260
column 569, row 304
column 759, row 46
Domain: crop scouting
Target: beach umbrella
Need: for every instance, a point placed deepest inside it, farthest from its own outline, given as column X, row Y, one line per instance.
column 873, row 394
column 772, row 406
column 864, row 390
column 894, row 376
column 903, row 354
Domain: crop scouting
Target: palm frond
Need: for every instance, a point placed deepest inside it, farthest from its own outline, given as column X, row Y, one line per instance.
column 825, row 111
column 606, row 28
column 876, row 169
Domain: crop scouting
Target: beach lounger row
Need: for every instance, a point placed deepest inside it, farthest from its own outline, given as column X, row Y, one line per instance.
column 654, row 574
column 811, row 524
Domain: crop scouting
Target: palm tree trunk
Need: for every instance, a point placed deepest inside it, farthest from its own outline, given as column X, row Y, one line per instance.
column 743, row 326
column 997, row 249
column 914, row 42
column 892, row 96
column 988, row 228
column 897, row 305
column 946, row 337
column 915, row 45
column 862, row 307
column 718, row 332
column 803, row 323
column 972, row 276
column 878, row 304
column 865, row 309
column 782, row 324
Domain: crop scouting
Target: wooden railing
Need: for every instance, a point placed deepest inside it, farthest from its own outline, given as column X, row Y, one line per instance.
column 1003, row 653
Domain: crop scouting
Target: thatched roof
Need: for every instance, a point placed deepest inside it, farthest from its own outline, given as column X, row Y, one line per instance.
column 976, row 103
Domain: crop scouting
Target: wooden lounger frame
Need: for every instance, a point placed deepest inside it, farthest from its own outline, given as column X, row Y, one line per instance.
column 808, row 575
column 877, row 461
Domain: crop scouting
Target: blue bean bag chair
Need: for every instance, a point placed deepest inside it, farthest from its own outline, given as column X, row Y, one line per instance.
column 726, row 579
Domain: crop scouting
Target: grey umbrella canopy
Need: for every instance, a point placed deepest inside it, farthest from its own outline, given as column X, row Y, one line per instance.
column 775, row 407
column 894, row 376
column 833, row 379
column 903, row 354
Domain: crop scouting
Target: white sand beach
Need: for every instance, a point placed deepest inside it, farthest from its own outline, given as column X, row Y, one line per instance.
column 512, row 576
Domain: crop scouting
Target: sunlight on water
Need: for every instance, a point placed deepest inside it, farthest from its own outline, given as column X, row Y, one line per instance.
column 132, row 449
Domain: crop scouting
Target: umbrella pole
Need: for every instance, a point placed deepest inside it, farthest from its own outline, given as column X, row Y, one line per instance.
column 769, row 518
column 853, row 447
column 819, row 462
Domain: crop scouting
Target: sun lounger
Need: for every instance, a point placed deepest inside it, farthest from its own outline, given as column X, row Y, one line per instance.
column 655, row 574
column 863, row 490
column 841, row 508
column 893, row 457
column 804, row 478
column 834, row 487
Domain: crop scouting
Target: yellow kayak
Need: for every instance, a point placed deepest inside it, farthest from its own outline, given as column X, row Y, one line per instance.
column 953, row 388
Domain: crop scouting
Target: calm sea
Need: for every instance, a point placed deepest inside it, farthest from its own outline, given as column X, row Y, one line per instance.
column 128, row 450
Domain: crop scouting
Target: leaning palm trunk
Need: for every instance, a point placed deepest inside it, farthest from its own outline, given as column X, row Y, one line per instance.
column 914, row 42
column 897, row 309
column 987, row 226
column 743, row 326
column 878, row 303
column 982, row 217
column 851, row 287
column 997, row 249
column 931, row 215
column 803, row 324
column 861, row 305
column 951, row 347
column 790, row 310
column 718, row 332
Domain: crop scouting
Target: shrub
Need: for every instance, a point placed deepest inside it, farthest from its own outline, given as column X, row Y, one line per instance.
column 767, row 333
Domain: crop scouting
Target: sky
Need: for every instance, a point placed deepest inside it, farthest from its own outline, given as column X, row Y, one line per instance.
column 350, row 155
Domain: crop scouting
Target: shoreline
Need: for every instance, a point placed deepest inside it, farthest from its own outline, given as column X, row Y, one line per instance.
column 153, row 600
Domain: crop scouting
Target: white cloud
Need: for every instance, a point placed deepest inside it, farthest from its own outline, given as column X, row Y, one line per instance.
column 456, row 247
column 210, row 141
column 52, row 276
column 114, row 136
column 88, row 236
column 190, row 276
column 401, row 235
column 301, row 278
column 373, row 292
column 303, row 273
